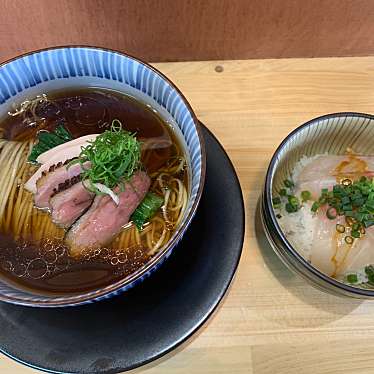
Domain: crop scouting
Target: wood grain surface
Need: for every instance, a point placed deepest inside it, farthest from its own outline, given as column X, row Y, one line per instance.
column 272, row 321
column 177, row 30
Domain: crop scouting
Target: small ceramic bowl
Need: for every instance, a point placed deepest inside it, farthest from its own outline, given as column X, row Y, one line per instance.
column 332, row 134
column 73, row 67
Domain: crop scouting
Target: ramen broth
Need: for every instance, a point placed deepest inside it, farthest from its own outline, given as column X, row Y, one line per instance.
column 43, row 264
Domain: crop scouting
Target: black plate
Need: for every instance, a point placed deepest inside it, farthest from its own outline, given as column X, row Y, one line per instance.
column 156, row 316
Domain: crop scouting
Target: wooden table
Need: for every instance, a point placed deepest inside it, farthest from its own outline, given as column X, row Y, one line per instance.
column 271, row 322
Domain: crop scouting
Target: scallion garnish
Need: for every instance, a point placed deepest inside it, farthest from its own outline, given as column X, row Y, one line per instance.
column 315, row 207
column 348, row 239
column 290, row 208
column 277, row 202
column 292, row 203
column 369, row 270
column 346, row 182
column 114, row 156
column 352, row 278
column 306, row 195
column 283, row 192
column 349, row 220
column 355, row 234
column 288, row 183
column 324, row 191
column 331, row 213
column 293, row 200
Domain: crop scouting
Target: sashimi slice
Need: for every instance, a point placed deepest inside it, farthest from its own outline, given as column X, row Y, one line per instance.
column 321, row 172
column 361, row 254
column 323, row 248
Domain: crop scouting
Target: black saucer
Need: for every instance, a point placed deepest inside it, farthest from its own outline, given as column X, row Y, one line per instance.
column 157, row 315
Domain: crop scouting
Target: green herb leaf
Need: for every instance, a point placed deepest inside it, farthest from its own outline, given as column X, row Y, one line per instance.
column 146, row 209
column 48, row 140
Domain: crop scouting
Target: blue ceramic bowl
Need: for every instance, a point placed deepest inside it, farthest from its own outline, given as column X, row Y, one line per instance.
column 72, row 67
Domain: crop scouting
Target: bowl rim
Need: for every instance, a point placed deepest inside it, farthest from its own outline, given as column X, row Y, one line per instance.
column 337, row 285
column 91, row 296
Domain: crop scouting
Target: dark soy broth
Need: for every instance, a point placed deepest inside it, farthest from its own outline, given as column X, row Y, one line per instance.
column 45, row 266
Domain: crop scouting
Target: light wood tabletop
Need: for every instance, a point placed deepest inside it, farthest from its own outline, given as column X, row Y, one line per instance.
column 271, row 321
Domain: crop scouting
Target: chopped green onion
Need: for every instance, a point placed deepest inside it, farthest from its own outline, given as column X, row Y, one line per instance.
column 337, row 188
column 347, row 207
column 291, row 208
column 114, row 156
column 355, row 234
column 345, row 200
column 356, row 226
column 348, row 213
column 369, row 270
column 360, row 216
column 276, row 202
column 348, row 239
column 358, row 202
column 322, row 200
column 288, row 183
column 350, row 220
column 352, row 278
column 331, row 213
column 306, row 195
column 293, row 200
column 370, row 204
column 324, row 191
column 283, row 192
column 346, row 182
column 315, row 207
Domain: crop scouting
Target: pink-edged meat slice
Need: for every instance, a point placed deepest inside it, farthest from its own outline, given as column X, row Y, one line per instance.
column 68, row 205
column 50, row 182
column 104, row 220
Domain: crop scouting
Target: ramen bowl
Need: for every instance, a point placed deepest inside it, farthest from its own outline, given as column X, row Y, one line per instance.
column 330, row 134
column 63, row 68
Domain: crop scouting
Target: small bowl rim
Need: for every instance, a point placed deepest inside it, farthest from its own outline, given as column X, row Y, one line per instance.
column 337, row 285
column 92, row 296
